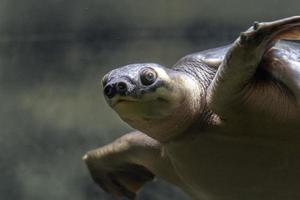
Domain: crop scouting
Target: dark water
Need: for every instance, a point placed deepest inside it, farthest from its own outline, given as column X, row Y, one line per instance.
column 52, row 56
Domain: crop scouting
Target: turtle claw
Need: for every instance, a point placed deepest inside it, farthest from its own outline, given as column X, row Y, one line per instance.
column 264, row 34
column 256, row 25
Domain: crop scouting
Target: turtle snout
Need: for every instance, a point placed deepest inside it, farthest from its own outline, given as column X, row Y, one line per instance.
column 119, row 87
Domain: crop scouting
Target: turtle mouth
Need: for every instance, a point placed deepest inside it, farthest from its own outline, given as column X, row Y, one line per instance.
column 122, row 101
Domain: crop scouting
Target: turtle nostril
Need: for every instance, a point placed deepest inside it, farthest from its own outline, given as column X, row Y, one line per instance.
column 110, row 91
column 121, row 87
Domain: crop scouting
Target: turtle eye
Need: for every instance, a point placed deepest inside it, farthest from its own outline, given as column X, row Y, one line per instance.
column 148, row 76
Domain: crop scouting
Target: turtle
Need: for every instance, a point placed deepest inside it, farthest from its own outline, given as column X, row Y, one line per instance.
column 221, row 124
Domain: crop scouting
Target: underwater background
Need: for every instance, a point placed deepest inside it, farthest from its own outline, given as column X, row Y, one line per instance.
column 53, row 54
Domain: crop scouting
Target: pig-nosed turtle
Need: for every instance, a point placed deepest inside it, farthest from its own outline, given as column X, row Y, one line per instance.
column 222, row 124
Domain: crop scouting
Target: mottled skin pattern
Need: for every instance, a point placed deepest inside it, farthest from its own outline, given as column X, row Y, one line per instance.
column 222, row 124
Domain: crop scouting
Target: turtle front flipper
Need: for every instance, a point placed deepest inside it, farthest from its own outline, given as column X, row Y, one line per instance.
column 238, row 69
column 124, row 166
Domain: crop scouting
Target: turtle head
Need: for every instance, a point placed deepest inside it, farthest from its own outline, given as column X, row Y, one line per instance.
column 158, row 101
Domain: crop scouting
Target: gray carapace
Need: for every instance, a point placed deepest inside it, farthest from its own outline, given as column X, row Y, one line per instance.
column 222, row 124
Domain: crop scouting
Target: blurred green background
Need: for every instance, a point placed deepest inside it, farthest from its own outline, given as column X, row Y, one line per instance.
column 53, row 54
